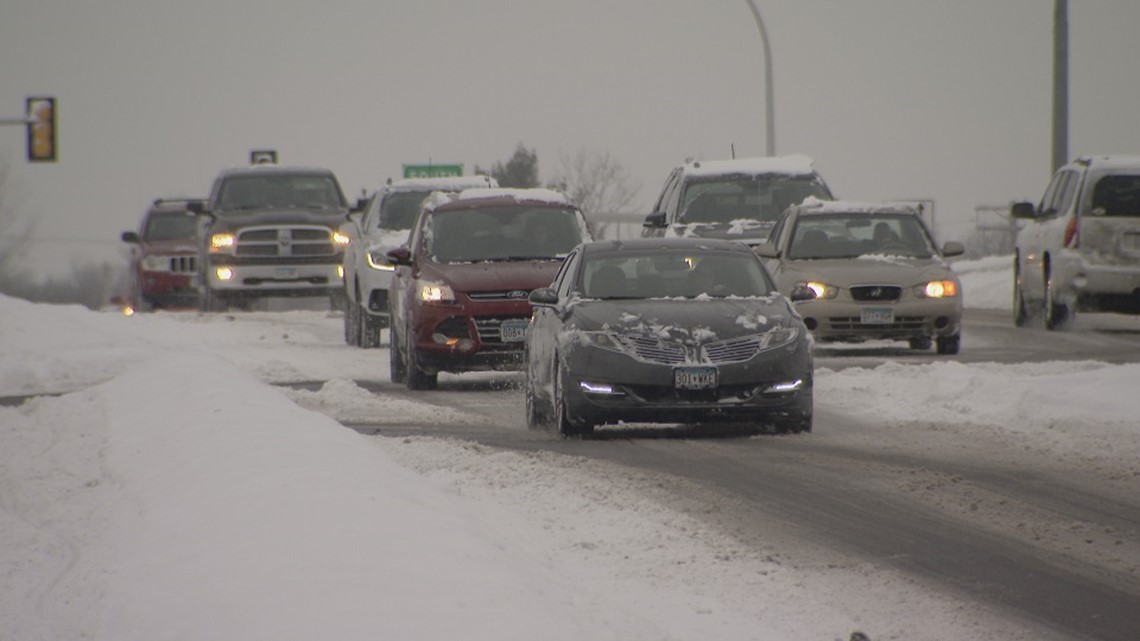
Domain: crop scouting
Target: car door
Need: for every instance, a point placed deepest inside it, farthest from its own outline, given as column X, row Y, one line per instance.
column 1043, row 235
column 546, row 326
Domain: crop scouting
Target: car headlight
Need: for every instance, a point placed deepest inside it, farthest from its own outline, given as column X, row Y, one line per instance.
column 222, row 243
column 377, row 260
column 156, row 263
column 339, row 239
column 778, row 336
column 937, row 289
column 822, row 290
column 434, row 292
column 604, row 340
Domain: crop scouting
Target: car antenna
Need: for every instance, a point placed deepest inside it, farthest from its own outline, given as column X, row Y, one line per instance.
column 732, row 148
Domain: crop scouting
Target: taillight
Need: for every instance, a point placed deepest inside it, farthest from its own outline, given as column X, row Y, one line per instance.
column 1073, row 233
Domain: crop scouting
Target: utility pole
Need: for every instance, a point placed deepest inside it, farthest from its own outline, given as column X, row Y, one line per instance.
column 1060, row 83
column 769, row 101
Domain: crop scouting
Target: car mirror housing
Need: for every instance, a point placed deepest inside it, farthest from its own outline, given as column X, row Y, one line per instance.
column 1022, row 210
column 801, row 292
column 400, row 256
column 766, row 250
column 131, row 237
column 953, row 248
column 543, row 297
column 656, row 219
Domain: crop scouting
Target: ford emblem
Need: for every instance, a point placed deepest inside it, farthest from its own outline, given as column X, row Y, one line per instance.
column 518, row 293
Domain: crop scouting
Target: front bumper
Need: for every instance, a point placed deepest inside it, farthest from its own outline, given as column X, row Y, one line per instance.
column 762, row 388
column 276, row 279
column 470, row 336
column 844, row 321
column 1079, row 278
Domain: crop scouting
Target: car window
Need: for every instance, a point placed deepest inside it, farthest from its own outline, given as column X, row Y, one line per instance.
column 668, row 192
column 564, row 280
column 398, row 210
column 1045, row 207
column 853, row 235
column 635, row 275
column 1117, row 195
column 503, row 233
column 1066, row 191
column 172, row 226
column 762, row 198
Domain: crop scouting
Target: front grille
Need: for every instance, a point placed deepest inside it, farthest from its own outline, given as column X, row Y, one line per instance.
column 184, row 264
column 855, row 324
column 264, row 242
column 454, row 327
column 648, row 348
column 506, row 294
column 876, row 293
column 733, row 351
column 488, row 328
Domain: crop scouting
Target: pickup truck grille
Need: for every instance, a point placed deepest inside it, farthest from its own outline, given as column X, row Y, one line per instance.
column 271, row 242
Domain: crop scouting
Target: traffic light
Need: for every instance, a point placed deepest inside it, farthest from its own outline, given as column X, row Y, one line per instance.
column 41, row 130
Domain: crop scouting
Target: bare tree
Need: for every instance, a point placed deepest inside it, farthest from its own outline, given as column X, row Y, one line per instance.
column 598, row 183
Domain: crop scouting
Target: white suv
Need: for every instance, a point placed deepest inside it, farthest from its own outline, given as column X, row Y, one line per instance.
column 384, row 225
column 1079, row 248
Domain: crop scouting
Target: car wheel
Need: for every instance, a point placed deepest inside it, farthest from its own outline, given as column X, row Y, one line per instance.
column 416, row 378
column 536, row 419
column 949, row 344
column 351, row 323
column 922, row 342
column 1056, row 313
column 397, row 369
column 562, row 422
column 1020, row 315
column 369, row 329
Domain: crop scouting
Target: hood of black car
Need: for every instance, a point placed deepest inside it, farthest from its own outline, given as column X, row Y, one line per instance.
column 690, row 321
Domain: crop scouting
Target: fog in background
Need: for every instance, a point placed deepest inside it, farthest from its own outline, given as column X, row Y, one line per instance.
column 949, row 101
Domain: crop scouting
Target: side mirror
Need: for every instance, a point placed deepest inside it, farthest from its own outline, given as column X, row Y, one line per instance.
column 1022, row 210
column 196, row 206
column 953, row 248
column 131, row 237
column 801, row 293
column 361, row 203
column 766, row 250
column 656, row 219
column 543, row 297
column 400, row 256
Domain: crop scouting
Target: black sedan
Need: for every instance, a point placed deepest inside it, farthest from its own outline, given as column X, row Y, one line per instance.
column 666, row 331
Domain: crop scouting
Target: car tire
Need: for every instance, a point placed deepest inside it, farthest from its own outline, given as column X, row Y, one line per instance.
column 920, row 343
column 561, row 420
column 1020, row 314
column 415, row 377
column 351, row 323
column 949, row 344
column 397, row 369
column 369, row 337
column 1056, row 313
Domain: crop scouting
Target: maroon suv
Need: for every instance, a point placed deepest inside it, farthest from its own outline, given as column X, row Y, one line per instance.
column 164, row 257
column 458, row 299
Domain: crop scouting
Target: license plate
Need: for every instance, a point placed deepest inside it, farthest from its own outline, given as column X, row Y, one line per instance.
column 513, row 331
column 694, row 377
column 284, row 272
column 878, row 316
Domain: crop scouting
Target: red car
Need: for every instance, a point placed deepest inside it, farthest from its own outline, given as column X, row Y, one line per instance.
column 164, row 257
column 458, row 298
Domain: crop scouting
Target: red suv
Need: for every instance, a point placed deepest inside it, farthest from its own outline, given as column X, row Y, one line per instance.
column 164, row 257
column 458, row 298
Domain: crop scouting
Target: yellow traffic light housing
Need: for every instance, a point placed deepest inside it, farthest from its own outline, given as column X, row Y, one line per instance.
column 41, row 125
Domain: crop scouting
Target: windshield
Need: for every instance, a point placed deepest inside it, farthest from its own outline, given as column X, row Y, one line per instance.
column 309, row 191
column 399, row 209
column 852, row 235
column 172, row 226
column 502, row 233
column 673, row 275
column 1117, row 195
column 760, row 198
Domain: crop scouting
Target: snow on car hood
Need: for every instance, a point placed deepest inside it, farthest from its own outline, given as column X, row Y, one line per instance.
column 689, row 321
column 493, row 276
column 750, row 231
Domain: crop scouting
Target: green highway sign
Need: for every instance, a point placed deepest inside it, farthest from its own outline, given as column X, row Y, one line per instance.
column 432, row 171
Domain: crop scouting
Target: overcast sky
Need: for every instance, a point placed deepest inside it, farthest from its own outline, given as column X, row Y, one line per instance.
column 947, row 100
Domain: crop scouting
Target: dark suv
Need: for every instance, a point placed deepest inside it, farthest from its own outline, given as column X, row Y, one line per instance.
column 271, row 231
column 164, row 257
column 458, row 297
column 737, row 199
column 1079, row 247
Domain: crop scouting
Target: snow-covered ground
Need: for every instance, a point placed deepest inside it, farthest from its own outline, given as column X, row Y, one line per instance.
column 162, row 490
